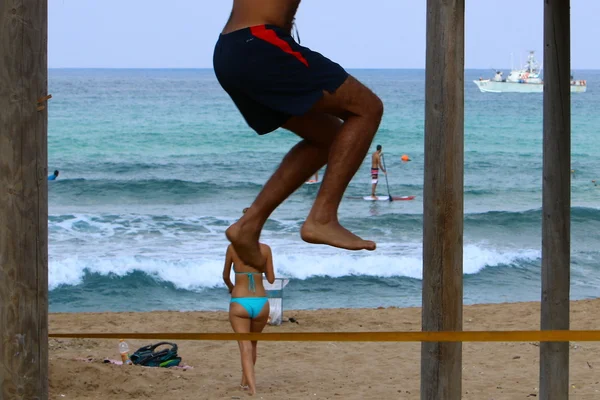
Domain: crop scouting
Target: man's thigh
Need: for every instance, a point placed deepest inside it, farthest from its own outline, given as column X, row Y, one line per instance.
column 314, row 126
column 351, row 98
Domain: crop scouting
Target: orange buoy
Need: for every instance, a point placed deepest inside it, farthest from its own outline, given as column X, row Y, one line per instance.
column 405, row 158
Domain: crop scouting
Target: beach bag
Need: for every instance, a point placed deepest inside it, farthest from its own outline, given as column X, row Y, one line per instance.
column 147, row 356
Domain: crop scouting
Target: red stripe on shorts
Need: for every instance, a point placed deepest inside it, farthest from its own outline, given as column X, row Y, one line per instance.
column 270, row 36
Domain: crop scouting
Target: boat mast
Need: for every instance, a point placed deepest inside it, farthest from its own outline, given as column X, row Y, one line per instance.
column 531, row 62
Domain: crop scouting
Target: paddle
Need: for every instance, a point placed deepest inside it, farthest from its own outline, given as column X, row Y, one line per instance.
column 386, row 179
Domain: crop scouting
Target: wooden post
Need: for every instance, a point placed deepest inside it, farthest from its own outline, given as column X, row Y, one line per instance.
column 23, row 200
column 556, row 208
column 441, row 363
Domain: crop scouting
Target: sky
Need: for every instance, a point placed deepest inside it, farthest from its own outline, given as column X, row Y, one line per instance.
column 354, row 33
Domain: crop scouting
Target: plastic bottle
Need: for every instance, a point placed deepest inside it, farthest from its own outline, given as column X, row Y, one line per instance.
column 124, row 350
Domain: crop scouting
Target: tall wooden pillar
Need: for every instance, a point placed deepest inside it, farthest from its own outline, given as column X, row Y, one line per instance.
column 441, row 363
column 556, row 207
column 23, row 200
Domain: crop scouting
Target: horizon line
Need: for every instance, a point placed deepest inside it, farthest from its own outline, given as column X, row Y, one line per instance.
column 349, row 68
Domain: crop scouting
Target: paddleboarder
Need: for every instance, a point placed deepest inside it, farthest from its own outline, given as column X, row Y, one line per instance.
column 375, row 165
column 314, row 178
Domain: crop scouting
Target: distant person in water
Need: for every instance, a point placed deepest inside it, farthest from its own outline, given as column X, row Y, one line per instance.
column 249, row 305
column 314, row 178
column 375, row 165
column 53, row 176
column 277, row 83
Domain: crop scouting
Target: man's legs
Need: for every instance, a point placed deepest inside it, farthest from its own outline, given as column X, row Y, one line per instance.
column 373, row 189
column 300, row 163
column 362, row 111
column 343, row 148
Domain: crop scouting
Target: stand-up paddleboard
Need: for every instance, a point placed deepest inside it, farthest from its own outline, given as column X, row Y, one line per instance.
column 382, row 198
column 312, row 182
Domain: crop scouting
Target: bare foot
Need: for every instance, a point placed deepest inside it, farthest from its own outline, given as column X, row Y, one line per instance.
column 333, row 234
column 245, row 243
column 244, row 385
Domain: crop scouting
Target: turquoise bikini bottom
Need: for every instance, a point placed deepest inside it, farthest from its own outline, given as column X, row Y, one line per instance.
column 253, row 305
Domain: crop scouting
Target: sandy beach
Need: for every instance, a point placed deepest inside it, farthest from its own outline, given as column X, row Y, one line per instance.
column 299, row 370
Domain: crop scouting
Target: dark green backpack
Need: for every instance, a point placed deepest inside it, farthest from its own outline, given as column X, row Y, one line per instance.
column 148, row 357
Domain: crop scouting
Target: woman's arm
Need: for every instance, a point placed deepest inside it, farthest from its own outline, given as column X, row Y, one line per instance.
column 227, row 269
column 270, row 273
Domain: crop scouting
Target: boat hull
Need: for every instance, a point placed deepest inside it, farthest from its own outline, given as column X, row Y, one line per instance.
column 488, row 86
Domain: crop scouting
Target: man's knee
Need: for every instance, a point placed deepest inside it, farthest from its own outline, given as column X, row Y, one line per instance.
column 371, row 105
column 377, row 108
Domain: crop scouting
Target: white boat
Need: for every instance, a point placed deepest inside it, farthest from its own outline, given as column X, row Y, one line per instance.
column 524, row 80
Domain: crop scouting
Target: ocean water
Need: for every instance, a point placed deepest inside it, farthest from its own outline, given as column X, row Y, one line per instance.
column 156, row 164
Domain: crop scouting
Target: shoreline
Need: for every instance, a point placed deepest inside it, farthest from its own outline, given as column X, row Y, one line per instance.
column 319, row 370
column 299, row 310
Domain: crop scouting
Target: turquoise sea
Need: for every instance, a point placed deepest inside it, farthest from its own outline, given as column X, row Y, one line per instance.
column 156, row 164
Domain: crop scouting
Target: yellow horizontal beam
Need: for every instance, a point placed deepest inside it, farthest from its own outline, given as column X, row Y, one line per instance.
column 464, row 336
